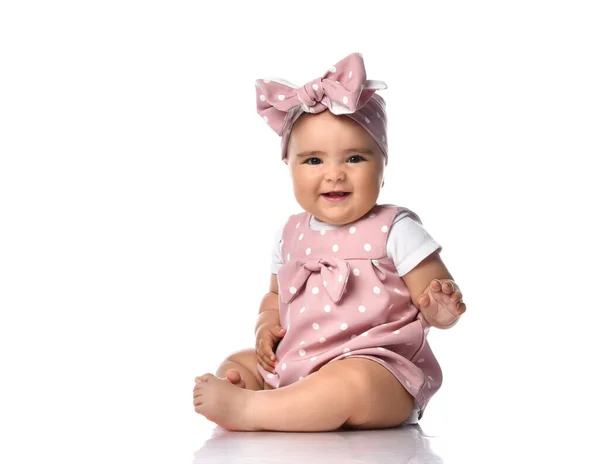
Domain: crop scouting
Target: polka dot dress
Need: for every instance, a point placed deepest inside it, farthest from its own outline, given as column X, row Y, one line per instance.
column 340, row 296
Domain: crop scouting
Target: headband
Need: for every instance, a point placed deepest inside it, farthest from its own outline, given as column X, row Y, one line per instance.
column 343, row 90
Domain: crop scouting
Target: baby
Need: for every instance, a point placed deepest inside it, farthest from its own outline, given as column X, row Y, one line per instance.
column 341, row 336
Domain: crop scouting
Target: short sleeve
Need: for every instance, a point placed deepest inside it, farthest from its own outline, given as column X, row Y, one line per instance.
column 276, row 258
column 409, row 243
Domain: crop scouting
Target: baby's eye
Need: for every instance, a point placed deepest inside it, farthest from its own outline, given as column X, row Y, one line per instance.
column 356, row 159
column 313, row 160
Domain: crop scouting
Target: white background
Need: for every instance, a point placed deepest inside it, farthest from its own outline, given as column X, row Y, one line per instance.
column 140, row 192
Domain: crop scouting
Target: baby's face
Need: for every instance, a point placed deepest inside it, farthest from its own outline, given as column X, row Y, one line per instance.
column 336, row 167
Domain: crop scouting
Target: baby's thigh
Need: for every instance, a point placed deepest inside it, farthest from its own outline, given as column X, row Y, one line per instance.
column 247, row 360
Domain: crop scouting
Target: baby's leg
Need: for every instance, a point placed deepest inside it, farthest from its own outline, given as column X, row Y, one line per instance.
column 244, row 362
column 353, row 393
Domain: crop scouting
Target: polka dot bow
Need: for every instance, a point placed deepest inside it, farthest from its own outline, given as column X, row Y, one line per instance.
column 334, row 275
column 343, row 89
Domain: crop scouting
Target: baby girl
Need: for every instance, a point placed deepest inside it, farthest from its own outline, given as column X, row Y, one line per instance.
column 341, row 336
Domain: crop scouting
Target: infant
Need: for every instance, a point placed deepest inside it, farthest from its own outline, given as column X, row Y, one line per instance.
column 341, row 336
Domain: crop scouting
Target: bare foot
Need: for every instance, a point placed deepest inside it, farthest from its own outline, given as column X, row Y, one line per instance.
column 235, row 378
column 231, row 375
column 223, row 403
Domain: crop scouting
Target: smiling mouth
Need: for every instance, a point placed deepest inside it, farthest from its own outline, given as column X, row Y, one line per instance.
column 336, row 196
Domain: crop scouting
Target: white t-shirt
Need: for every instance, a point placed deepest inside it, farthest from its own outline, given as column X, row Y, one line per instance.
column 408, row 243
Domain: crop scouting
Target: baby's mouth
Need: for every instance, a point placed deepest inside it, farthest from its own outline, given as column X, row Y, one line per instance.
column 335, row 196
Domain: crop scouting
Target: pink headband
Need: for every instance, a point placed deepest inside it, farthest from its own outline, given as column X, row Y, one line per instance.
column 344, row 89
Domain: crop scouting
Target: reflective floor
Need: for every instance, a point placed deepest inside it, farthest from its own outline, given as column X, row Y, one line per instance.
column 401, row 445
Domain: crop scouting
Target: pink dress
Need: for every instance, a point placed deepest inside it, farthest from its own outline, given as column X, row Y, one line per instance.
column 340, row 296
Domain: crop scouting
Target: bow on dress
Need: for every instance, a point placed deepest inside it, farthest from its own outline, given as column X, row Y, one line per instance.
column 334, row 274
column 343, row 89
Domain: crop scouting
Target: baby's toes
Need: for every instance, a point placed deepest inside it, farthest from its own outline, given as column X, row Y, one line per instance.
column 235, row 378
column 204, row 378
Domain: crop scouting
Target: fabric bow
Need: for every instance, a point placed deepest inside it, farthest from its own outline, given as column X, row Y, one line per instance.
column 343, row 89
column 334, row 273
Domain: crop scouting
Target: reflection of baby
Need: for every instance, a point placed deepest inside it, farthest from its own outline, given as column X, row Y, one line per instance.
column 402, row 446
column 355, row 285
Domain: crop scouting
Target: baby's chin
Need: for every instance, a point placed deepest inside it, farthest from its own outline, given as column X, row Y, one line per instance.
column 338, row 218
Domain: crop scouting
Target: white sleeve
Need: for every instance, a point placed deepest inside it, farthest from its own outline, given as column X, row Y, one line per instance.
column 276, row 258
column 409, row 243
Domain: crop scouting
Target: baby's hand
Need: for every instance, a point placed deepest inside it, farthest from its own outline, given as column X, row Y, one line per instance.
column 266, row 338
column 441, row 303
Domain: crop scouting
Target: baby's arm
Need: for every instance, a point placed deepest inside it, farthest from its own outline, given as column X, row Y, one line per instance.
column 434, row 292
column 268, row 330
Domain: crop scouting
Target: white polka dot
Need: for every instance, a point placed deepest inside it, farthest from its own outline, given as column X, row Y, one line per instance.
column 302, row 309
column 420, row 360
column 316, row 326
column 323, row 232
column 340, row 278
column 266, row 119
column 314, row 358
column 301, row 237
column 367, row 247
column 293, row 290
column 352, row 337
column 407, row 384
column 344, row 326
column 364, row 334
column 356, row 272
column 300, row 378
column 322, row 340
column 346, row 350
column 430, row 378
column 372, row 215
column 315, row 290
column 384, row 229
column 301, row 352
column 330, row 268
column 380, row 349
column 327, row 308
column 362, row 309
column 396, row 290
column 263, row 98
column 332, row 69
column 367, row 120
column 308, row 250
column 376, row 290
column 350, row 75
column 281, row 97
column 288, row 256
column 302, row 343
column 402, row 318
column 335, row 247
column 352, row 230
column 297, row 225
column 345, row 100
column 270, row 376
column 325, row 283
column 315, row 87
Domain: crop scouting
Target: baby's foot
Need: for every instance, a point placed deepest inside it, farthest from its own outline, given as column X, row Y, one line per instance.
column 235, row 378
column 441, row 304
column 223, row 403
column 231, row 375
